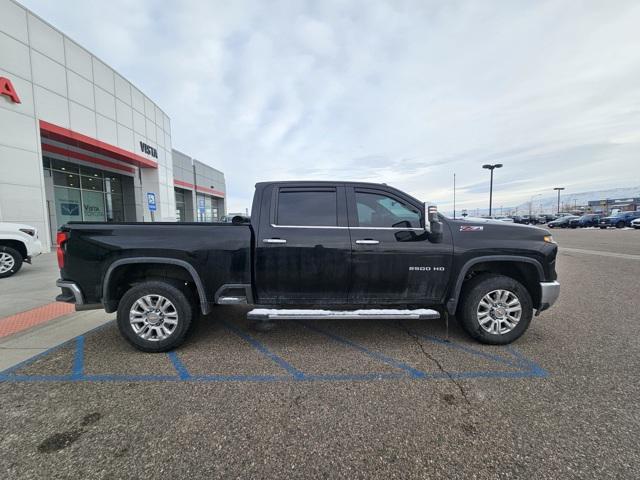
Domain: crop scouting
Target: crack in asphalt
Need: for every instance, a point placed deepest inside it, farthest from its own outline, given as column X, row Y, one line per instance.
column 416, row 338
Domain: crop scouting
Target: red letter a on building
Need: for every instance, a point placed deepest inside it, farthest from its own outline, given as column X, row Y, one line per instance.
column 6, row 88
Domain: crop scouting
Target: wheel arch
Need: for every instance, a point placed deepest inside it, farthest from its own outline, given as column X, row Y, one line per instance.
column 182, row 269
column 17, row 245
column 526, row 270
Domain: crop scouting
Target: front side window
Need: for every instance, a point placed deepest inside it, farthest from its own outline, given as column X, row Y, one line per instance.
column 317, row 208
column 376, row 210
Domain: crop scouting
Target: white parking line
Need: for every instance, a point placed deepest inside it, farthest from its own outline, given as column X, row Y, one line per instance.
column 626, row 256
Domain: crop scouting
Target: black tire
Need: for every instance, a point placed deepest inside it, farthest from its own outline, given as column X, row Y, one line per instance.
column 182, row 306
column 15, row 257
column 603, row 228
column 473, row 292
column 620, row 225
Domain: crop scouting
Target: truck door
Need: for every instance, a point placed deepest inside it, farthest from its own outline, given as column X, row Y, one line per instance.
column 303, row 248
column 392, row 259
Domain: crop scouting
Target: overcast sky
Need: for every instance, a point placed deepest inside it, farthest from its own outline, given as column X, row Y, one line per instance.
column 401, row 92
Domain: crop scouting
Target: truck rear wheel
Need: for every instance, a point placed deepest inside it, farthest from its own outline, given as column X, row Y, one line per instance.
column 495, row 309
column 10, row 261
column 154, row 316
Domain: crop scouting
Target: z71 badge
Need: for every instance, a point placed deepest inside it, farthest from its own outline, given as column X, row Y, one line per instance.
column 471, row 228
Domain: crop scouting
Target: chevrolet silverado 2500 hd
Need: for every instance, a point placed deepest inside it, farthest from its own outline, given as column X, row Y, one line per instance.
column 339, row 246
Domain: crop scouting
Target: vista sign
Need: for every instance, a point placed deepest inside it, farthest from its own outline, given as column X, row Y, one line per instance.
column 6, row 89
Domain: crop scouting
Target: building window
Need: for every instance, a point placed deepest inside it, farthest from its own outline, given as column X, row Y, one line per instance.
column 85, row 193
column 207, row 208
column 181, row 210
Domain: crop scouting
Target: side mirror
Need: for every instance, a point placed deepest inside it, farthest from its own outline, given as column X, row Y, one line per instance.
column 433, row 225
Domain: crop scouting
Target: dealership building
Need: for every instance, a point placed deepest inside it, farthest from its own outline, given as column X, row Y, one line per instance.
column 78, row 142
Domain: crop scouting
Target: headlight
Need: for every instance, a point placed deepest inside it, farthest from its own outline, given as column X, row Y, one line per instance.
column 29, row 231
column 549, row 239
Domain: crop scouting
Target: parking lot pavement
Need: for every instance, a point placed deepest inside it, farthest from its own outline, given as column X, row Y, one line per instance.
column 33, row 286
column 328, row 399
column 625, row 241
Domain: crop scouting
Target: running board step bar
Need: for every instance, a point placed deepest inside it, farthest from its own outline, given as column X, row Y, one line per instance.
column 264, row 314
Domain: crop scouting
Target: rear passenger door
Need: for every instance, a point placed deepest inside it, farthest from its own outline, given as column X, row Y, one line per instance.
column 303, row 248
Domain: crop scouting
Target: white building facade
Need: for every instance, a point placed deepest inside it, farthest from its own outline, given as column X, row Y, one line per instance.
column 78, row 142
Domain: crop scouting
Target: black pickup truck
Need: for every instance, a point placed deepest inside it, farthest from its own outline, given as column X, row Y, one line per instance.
column 338, row 246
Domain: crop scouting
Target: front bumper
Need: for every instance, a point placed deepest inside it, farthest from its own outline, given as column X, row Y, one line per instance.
column 34, row 248
column 549, row 293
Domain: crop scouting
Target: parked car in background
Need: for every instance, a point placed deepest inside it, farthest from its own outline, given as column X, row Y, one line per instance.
column 588, row 220
column 621, row 220
column 636, row 223
column 18, row 244
column 516, row 218
column 549, row 217
column 532, row 219
column 501, row 219
column 562, row 222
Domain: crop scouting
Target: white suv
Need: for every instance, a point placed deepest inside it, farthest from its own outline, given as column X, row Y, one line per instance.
column 18, row 244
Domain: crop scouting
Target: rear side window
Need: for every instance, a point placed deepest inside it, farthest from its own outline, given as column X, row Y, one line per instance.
column 378, row 210
column 315, row 208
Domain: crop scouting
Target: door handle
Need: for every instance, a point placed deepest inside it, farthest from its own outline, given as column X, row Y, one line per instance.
column 274, row 240
column 367, row 242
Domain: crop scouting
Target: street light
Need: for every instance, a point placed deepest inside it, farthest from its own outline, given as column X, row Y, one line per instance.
column 559, row 189
column 531, row 203
column 491, row 167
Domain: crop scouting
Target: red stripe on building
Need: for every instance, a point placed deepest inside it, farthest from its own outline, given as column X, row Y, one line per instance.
column 180, row 183
column 210, row 191
column 76, row 139
column 87, row 158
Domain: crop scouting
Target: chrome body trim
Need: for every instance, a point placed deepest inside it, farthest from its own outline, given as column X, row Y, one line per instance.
column 77, row 293
column 549, row 293
column 232, row 301
column 346, row 228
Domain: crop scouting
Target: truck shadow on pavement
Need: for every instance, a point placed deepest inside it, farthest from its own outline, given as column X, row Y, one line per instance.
column 224, row 348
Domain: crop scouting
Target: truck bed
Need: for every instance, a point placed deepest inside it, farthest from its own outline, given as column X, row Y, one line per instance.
column 219, row 252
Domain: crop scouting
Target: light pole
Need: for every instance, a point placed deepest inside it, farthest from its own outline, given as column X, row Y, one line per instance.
column 559, row 189
column 492, row 168
column 531, row 203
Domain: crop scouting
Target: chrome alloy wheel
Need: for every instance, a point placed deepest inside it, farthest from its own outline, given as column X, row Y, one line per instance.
column 499, row 312
column 153, row 318
column 7, row 262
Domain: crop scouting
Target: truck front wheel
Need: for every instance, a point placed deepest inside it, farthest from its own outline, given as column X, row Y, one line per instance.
column 10, row 261
column 495, row 309
column 154, row 316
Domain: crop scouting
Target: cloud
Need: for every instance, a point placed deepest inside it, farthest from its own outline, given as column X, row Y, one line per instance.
column 405, row 93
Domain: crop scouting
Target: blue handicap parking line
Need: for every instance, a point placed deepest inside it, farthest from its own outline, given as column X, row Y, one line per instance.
column 413, row 372
column 525, row 368
column 295, row 373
